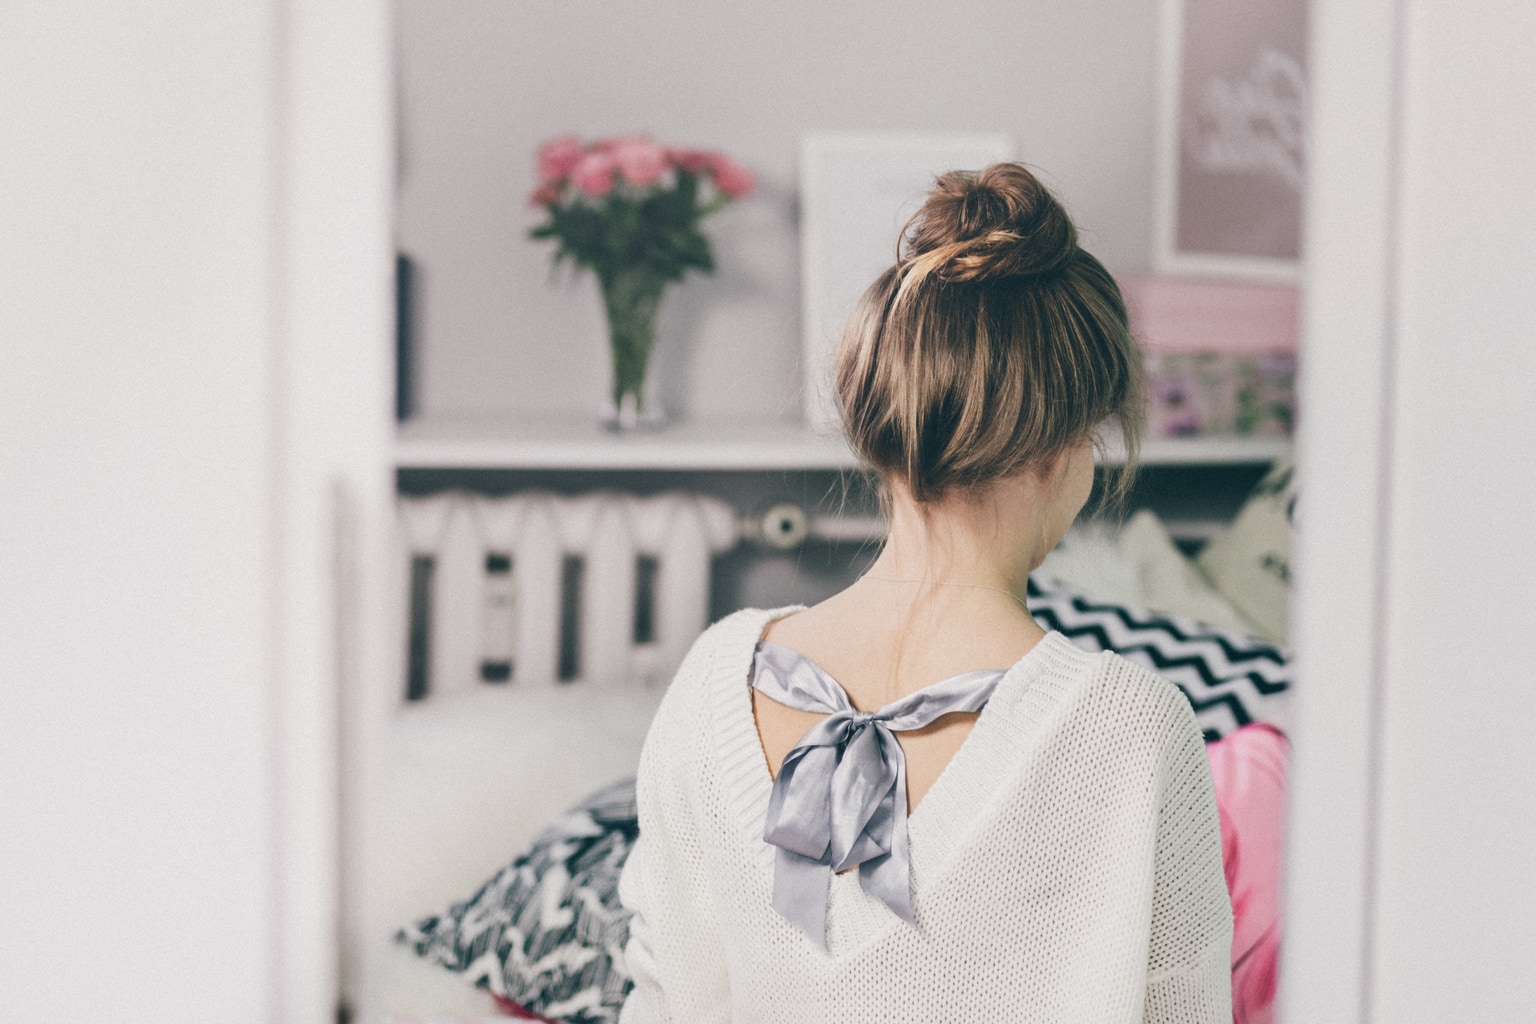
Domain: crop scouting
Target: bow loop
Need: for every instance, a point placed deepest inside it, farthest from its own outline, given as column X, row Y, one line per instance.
column 864, row 779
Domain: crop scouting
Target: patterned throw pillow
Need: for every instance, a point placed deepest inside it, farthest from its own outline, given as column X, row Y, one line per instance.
column 1250, row 563
column 546, row 934
column 1231, row 680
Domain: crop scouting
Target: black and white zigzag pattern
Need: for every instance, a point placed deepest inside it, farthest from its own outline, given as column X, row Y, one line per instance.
column 547, row 932
column 1229, row 680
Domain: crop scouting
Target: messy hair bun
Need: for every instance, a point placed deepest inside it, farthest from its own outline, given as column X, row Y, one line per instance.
column 994, row 343
column 998, row 224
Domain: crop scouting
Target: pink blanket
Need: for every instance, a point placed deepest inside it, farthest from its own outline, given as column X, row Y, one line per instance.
column 1248, row 768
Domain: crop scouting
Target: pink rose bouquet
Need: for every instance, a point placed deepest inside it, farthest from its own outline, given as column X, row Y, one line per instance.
column 630, row 210
column 616, row 204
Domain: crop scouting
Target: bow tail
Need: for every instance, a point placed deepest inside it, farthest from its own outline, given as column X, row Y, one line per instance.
column 888, row 878
column 800, row 890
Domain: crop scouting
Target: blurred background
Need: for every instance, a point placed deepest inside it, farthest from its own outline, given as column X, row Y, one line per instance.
column 501, row 348
column 482, row 85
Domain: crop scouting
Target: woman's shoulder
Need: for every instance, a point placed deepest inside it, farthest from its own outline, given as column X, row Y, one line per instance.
column 1108, row 670
column 719, row 659
column 1125, row 697
column 729, row 643
column 1133, row 678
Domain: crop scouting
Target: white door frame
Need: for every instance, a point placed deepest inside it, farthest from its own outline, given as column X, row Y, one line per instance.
column 332, row 314
column 1344, row 453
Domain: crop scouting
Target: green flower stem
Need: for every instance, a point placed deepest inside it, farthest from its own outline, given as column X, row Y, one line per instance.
column 631, row 296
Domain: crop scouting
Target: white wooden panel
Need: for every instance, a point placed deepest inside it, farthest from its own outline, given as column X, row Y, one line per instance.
column 498, row 520
column 458, row 586
column 682, row 584
column 537, row 565
column 608, row 598
column 608, row 532
column 380, row 696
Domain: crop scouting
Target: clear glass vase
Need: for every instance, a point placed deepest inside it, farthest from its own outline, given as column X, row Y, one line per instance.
column 631, row 297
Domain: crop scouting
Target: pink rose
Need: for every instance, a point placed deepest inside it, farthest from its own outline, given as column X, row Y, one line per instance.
column 641, row 161
column 558, row 158
column 732, row 179
column 545, row 194
column 694, row 161
column 609, row 145
column 593, row 173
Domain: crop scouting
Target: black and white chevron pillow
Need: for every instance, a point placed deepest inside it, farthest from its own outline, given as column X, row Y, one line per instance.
column 1230, row 680
column 547, row 932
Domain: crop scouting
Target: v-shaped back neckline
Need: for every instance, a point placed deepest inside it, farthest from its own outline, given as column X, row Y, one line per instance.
column 940, row 824
column 815, row 666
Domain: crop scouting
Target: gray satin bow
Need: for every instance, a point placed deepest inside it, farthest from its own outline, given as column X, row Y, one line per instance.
column 840, row 797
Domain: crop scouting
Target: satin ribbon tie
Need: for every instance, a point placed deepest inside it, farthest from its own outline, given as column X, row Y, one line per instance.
column 840, row 798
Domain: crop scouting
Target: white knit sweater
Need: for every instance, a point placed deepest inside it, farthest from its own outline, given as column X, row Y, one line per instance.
column 1066, row 864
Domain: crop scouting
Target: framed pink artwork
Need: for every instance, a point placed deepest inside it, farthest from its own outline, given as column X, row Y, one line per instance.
column 1232, row 139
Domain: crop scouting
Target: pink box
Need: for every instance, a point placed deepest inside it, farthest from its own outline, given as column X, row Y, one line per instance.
column 1171, row 314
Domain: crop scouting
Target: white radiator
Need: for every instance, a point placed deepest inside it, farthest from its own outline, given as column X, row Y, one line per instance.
column 536, row 589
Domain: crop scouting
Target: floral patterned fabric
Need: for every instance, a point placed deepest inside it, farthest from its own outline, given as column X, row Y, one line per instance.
column 547, row 933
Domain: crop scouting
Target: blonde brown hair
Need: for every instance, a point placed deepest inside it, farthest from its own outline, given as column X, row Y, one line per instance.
column 993, row 344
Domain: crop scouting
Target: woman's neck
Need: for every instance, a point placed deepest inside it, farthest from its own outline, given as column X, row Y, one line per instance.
column 992, row 540
column 945, row 595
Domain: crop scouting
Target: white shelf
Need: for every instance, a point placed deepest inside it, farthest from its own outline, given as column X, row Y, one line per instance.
column 581, row 444
column 1212, row 450
column 571, row 443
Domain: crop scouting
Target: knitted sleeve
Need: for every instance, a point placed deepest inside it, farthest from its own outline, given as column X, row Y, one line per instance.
column 674, row 950
column 1189, row 960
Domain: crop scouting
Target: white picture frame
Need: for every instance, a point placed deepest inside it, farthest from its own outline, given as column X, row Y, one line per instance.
column 857, row 191
column 1231, row 140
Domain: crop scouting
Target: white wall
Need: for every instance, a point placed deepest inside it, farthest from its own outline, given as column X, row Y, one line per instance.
column 483, row 82
column 193, row 279
column 1456, row 872
column 136, row 704
column 1411, row 893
